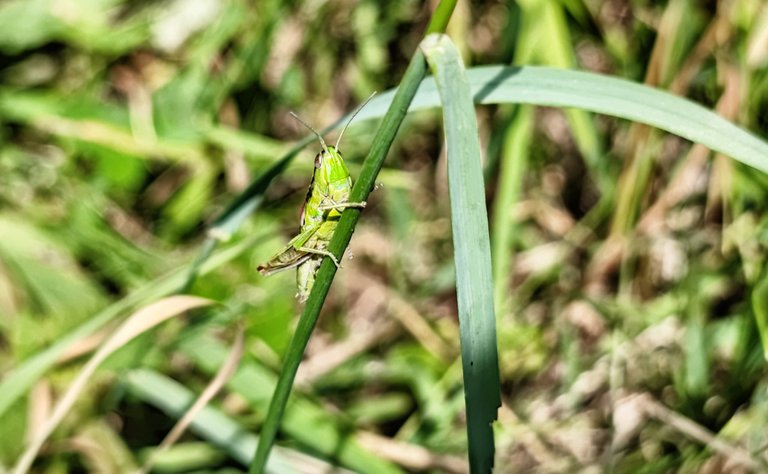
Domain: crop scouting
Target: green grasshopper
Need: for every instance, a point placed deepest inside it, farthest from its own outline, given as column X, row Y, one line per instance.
column 327, row 197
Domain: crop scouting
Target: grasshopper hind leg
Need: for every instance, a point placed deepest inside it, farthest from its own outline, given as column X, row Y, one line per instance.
column 342, row 205
column 288, row 258
column 324, row 253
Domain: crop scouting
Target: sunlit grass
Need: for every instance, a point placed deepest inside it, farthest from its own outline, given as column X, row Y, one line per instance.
column 628, row 262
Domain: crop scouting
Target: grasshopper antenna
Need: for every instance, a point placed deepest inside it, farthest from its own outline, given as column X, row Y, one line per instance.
column 354, row 114
column 319, row 137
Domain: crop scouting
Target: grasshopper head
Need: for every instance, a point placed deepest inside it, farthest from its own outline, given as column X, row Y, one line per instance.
column 330, row 167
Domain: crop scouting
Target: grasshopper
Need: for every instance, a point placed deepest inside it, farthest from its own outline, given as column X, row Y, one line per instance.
column 327, row 197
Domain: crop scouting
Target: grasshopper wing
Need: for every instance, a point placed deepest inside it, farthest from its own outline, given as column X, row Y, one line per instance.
column 288, row 258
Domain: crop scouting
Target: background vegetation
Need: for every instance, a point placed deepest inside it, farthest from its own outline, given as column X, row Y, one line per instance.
column 629, row 265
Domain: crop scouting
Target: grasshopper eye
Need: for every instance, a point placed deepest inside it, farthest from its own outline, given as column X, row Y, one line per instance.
column 319, row 160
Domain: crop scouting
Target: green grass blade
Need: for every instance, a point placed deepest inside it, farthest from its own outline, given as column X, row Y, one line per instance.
column 306, row 423
column 607, row 95
column 515, row 151
column 472, row 250
column 385, row 135
column 619, row 98
column 19, row 380
column 174, row 399
column 545, row 38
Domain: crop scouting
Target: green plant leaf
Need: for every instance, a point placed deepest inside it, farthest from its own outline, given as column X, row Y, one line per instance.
column 16, row 382
column 551, row 87
column 211, row 424
column 472, row 250
column 309, row 424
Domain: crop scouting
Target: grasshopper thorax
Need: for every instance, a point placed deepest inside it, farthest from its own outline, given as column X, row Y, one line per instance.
column 330, row 167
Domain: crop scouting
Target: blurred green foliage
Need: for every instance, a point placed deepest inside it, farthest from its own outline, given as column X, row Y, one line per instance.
column 634, row 263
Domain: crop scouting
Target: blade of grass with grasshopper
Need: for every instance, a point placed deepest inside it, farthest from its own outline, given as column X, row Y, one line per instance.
column 327, row 197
